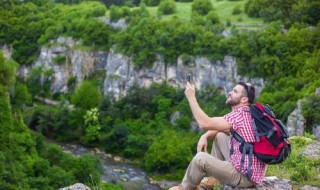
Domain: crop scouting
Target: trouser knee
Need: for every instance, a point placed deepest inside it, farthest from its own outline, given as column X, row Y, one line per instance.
column 200, row 158
column 220, row 136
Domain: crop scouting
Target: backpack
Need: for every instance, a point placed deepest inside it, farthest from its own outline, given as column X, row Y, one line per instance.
column 271, row 144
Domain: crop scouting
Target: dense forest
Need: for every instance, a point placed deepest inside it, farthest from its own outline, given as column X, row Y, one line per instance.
column 284, row 51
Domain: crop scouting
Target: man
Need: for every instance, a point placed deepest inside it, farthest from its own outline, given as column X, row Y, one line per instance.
column 220, row 164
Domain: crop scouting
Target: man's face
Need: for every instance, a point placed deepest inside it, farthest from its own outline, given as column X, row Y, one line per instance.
column 235, row 95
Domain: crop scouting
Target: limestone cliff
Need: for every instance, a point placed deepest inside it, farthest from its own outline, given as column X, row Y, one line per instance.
column 120, row 73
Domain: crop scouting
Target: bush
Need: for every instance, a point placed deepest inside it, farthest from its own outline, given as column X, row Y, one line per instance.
column 167, row 7
column 169, row 153
column 115, row 13
column 59, row 59
column 213, row 17
column 152, row 2
column 87, row 96
column 201, row 7
column 236, row 10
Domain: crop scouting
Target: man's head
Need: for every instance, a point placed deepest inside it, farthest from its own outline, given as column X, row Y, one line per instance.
column 242, row 93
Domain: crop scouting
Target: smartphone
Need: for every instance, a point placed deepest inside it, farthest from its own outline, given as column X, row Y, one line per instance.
column 189, row 77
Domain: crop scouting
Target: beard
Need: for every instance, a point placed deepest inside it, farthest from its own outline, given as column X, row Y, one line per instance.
column 232, row 101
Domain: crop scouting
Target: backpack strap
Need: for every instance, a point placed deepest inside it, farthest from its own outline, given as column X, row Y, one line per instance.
column 247, row 149
column 255, row 130
column 270, row 118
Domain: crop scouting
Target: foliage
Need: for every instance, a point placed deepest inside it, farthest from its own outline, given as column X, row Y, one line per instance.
column 39, row 81
column 288, row 11
column 130, row 3
column 311, row 109
column 213, row 17
column 168, row 153
column 118, row 12
column 60, row 59
column 7, row 70
column 167, row 7
column 92, row 127
column 299, row 168
column 152, row 2
column 201, row 7
column 86, row 96
column 236, row 10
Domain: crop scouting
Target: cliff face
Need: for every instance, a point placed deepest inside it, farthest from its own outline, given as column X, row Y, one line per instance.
column 120, row 73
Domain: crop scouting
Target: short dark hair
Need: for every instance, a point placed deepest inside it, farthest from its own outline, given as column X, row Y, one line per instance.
column 250, row 91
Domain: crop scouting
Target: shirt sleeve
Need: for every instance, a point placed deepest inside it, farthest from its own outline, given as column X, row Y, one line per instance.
column 235, row 119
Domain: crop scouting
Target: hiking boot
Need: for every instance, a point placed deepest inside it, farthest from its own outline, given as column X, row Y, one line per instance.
column 208, row 183
column 180, row 188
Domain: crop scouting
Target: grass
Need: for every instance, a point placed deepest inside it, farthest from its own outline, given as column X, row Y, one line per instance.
column 298, row 168
column 223, row 8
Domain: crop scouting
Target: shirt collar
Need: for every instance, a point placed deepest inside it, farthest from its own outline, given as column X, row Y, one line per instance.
column 241, row 108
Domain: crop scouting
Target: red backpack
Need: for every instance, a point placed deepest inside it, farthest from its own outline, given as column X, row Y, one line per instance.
column 271, row 145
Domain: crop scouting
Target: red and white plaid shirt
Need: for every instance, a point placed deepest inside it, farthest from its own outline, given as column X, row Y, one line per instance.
column 241, row 122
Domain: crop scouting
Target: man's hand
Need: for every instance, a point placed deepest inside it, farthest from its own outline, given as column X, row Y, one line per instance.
column 190, row 90
column 202, row 144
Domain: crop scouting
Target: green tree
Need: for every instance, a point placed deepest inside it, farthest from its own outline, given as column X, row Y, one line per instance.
column 201, row 7
column 168, row 153
column 167, row 7
column 7, row 70
column 86, row 96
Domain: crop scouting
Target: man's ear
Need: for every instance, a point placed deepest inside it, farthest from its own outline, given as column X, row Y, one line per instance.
column 244, row 99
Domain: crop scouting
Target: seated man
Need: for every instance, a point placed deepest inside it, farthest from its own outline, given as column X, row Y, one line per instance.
column 220, row 164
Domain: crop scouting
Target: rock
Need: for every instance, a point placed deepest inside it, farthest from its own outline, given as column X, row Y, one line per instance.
column 269, row 183
column 313, row 150
column 119, row 24
column 7, row 51
column 296, row 122
column 77, row 186
column 309, row 187
column 316, row 131
column 163, row 183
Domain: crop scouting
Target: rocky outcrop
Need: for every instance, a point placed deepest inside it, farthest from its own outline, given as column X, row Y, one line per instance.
column 313, row 150
column 120, row 73
column 269, row 183
column 7, row 51
column 77, row 186
column 119, row 24
column 75, row 63
column 296, row 122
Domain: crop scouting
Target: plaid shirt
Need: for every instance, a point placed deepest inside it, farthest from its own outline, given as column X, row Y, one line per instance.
column 241, row 122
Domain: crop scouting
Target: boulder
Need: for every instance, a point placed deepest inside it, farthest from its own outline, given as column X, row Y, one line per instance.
column 77, row 186
column 269, row 183
column 296, row 122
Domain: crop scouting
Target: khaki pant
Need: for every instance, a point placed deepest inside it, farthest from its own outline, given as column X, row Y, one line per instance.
column 216, row 165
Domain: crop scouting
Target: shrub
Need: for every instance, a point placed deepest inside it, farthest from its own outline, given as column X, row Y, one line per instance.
column 213, row 17
column 152, row 2
column 236, row 10
column 201, row 7
column 115, row 13
column 167, row 7
column 59, row 59
column 83, row 96
column 184, row 0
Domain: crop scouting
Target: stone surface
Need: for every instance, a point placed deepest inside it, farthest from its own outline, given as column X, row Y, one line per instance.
column 313, row 150
column 296, row 121
column 316, row 131
column 309, row 187
column 120, row 73
column 269, row 183
column 77, row 186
